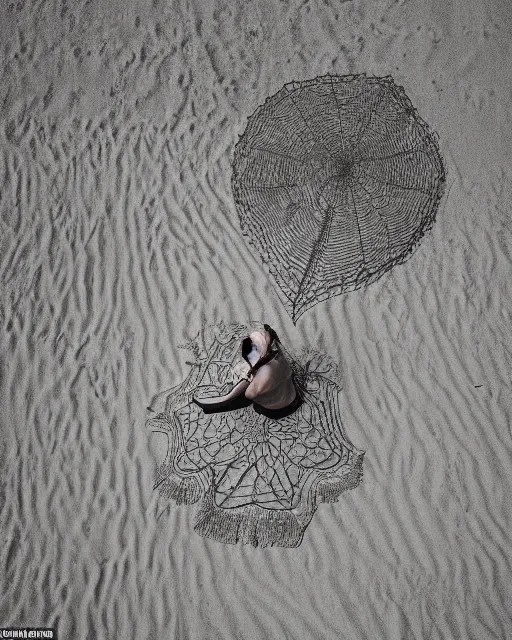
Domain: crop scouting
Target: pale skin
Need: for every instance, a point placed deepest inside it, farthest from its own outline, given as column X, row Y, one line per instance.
column 271, row 386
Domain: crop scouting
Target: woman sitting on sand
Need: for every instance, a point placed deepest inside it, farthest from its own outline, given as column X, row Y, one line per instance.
column 265, row 379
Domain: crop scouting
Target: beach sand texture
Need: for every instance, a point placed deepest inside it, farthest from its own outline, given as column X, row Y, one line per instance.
column 119, row 237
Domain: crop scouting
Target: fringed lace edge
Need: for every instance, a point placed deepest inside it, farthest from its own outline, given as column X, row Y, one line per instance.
column 255, row 525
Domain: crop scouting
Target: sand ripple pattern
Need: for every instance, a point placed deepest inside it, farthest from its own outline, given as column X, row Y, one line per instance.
column 118, row 233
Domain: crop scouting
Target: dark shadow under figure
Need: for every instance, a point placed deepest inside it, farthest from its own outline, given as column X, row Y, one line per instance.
column 260, row 475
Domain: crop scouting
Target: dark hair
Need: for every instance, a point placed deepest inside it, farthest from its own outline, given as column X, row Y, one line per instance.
column 272, row 333
column 246, row 347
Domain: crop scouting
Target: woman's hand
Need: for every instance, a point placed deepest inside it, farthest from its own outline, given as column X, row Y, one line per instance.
column 242, row 370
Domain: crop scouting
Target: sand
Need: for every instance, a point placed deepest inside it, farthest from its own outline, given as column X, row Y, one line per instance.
column 119, row 236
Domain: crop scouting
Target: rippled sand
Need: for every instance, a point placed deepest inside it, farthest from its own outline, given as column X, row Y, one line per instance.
column 118, row 236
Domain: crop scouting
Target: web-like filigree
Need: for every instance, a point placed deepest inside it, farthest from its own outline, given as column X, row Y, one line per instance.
column 336, row 180
column 261, row 479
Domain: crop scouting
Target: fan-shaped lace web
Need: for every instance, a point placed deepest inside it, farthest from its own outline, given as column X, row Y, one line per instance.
column 336, row 180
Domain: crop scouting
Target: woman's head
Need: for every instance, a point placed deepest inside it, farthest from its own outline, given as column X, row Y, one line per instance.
column 256, row 346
